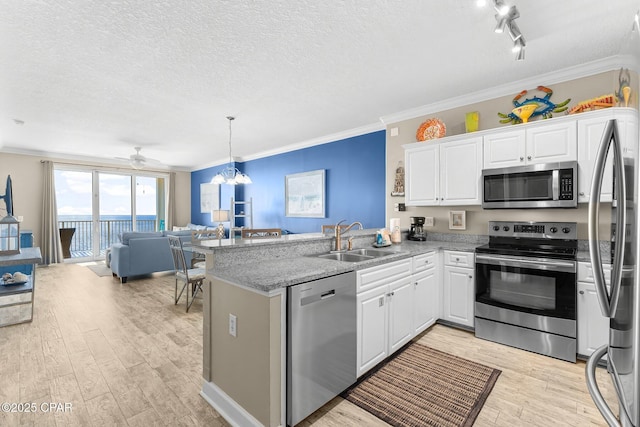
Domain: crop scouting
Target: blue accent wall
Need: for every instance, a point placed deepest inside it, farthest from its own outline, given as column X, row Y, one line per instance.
column 354, row 187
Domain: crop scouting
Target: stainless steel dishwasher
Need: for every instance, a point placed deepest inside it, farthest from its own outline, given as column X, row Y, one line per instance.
column 321, row 343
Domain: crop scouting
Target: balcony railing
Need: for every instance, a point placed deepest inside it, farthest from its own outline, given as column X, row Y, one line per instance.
column 81, row 243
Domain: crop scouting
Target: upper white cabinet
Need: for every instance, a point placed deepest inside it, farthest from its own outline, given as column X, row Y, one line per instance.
column 460, row 172
column 422, row 175
column 443, row 173
column 541, row 142
column 590, row 132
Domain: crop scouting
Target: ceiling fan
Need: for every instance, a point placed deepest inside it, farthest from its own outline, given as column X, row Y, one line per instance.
column 138, row 161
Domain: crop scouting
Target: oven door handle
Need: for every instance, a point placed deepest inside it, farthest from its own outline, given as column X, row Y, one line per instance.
column 546, row 264
column 610, row 138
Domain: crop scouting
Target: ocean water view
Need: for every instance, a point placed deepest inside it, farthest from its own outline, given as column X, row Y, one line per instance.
column 111, row 226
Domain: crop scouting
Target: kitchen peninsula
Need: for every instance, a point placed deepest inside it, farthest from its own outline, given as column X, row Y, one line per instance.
column 245, row 312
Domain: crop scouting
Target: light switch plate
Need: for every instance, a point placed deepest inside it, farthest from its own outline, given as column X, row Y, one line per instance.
column 429, row 221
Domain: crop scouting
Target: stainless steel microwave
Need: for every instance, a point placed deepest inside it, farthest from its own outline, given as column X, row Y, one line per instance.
column 548, row 185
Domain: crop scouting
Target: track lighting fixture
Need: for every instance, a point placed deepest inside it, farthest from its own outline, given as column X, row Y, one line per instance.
column 505, row 18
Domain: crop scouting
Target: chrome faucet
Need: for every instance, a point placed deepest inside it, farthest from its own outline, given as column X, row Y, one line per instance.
column 339, row 232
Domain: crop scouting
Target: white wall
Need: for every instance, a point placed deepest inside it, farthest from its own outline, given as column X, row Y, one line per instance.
column 26, row 176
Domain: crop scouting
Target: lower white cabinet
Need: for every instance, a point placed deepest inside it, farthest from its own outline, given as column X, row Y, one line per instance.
column 458, row 288
column 427, row 301
column 593, row 327
column 385, row 321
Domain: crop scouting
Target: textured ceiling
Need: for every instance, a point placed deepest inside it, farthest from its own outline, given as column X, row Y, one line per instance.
column 96, row 78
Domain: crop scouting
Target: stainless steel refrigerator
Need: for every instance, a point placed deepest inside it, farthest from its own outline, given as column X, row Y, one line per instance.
column 621, row 302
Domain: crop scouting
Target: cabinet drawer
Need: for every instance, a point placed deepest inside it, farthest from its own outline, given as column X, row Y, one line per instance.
column 585, row 272
column 23, row 297
column 15, row 314
column 424, row 262
column 459, row 259
column 382, row 274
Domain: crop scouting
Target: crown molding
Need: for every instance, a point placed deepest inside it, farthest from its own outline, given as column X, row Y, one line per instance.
column 90, row 161
column 362, row 130
column 554, row 77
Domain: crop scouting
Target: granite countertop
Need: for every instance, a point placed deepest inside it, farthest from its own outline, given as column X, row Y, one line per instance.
column 275, row 273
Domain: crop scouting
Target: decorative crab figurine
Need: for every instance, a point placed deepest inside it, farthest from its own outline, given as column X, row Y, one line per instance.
column 546, row 108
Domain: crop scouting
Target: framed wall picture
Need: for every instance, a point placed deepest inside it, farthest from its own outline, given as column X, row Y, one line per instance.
column 304, row 194
column 209, row 197
column 457, row 220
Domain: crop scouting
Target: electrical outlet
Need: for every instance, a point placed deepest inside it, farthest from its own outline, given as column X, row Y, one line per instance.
column 233, row 325
column 402, row 207
column 429, row 221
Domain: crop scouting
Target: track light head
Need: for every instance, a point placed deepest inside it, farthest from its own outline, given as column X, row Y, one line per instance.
column 520, row 56
column 514, row 31
column 500, row 7
column 502, row 22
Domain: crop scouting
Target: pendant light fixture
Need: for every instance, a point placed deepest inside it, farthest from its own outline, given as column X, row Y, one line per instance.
column 231, row 175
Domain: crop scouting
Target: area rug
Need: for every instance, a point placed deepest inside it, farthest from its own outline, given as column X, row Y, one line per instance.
column 100, row 269
column 422, row 386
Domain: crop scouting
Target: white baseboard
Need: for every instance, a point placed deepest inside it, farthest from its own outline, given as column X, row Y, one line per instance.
column 233, row 413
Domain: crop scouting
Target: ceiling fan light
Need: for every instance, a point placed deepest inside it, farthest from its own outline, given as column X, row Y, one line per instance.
column 246, row 178
column 137, row 164
column 218, row 179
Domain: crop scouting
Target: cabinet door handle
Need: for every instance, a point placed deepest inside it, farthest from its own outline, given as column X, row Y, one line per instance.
column 470, row 277
column 582, row 193
column 521, row 158
column 581, row 292
column 380, row 301
column 528, row 157
column 426, row 262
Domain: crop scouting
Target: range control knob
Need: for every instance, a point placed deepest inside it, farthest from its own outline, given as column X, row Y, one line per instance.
column 496, row 227
column 566, row 230
column 553, row 229
column 505, row 228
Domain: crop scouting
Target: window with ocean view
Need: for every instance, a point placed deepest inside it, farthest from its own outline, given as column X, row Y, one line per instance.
column 95, row 207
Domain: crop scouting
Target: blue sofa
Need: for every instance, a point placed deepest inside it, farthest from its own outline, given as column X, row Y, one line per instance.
column 141, row 253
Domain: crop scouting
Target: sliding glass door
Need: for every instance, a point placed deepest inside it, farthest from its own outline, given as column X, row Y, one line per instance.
column 96, row 206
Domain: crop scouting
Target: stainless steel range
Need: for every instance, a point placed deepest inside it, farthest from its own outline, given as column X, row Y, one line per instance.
column 526, row 287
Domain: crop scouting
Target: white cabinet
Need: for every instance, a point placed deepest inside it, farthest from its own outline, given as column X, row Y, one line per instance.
column 539, row 142
column 590, row 132
column 422, row 175
column 384, row 312
column 460, row 172
column 371, row 328
column 593, row 327
column 458, row 288
column 427, row 307
column 443, row 174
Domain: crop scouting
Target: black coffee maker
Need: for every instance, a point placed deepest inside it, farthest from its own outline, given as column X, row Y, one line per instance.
column 416, row 232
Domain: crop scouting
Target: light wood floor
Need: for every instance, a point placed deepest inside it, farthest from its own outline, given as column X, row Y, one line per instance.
column 123, row 354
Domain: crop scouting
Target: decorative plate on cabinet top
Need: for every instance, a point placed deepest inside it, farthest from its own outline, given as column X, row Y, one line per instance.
column 431, row 129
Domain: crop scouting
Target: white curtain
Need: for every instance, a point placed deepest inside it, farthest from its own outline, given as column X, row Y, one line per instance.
column 171, row 201
column 50, row 245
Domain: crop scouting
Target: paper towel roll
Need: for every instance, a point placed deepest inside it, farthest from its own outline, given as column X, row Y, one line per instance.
column 394, row 226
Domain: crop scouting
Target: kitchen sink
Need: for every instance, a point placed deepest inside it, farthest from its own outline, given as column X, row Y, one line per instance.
column 347, row 257
column 371, row 252
column 355, row 255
